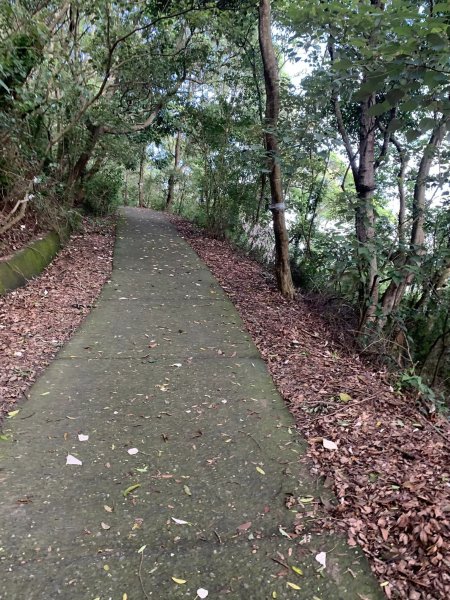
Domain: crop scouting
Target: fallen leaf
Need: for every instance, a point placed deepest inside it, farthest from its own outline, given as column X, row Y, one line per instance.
column 130, row 489
column 245, row 526
column 179, row 581
column 329, row 445
column 260, row 470
column 343, row 397
column 283, row 532
column 176, row 365
column 13, row 413
column 133, row 451
column 306, row 499
column 179, row 521
column 106, row 567
column 322, row 558
column 105, row 525
column 82, row 437
column 142, row 548
column 187, row 490
column 294, row 586
column 142, row 469
column 72, row 460
column 297, row 570
column 124, row 596
column 108, row 508
column 202, row 593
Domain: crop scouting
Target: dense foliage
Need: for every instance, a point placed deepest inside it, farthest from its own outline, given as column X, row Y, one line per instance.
column 163, row 104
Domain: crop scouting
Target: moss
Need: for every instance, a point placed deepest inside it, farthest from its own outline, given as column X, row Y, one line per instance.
column 28, row 263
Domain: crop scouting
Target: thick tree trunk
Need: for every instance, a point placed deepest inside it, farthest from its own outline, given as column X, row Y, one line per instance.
column 173, row 175
column 141, row 179
column 78, row 171
column 271, row 79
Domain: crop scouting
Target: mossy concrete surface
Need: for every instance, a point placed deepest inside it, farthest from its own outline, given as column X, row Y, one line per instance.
column 28, row 263
column 162, row 367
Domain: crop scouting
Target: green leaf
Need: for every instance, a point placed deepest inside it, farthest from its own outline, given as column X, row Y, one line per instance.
column 131, row 489
column 426, row 124
column 413, row 134
column 394, row 96
column 436, row 42
column 343, row 397
column 395, row 124
column 378, row 109
column 4, row 86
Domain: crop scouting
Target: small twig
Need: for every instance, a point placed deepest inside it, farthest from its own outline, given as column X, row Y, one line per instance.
column 250, row 436
column 217, row 536
column 28, row 416
column 405, row 453
column 344, row 408
column 280, row 562
column 140, row 576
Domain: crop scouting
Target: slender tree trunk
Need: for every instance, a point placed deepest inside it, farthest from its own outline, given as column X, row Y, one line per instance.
column 125, row 191
column 396, row 289
column 365, row 215
column 173, row 175
column 141, row 179
column 262, row 193
column 271, row 79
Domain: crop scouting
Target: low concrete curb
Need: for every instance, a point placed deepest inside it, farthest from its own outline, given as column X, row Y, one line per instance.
column 29, row 262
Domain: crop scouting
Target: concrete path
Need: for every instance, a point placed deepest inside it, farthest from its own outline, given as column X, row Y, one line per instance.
column 162, row 365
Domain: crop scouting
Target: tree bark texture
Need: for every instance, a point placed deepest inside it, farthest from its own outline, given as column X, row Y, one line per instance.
column 271, row 79
column 173, row 174
column 78, row 171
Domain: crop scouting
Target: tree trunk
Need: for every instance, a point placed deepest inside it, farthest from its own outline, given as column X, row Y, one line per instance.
column 396, row 289
column 78, row 171
column 141, row 179
column 173, row 175
column 271, row 79
column 125, row 191
column 365, row 215
column 262, row 194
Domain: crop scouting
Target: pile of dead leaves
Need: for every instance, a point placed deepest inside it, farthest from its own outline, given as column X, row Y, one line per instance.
column 390, row 470
column 24, row 232
column 37, row 319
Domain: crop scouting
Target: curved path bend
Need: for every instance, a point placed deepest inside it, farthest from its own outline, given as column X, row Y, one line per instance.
column 163, row 366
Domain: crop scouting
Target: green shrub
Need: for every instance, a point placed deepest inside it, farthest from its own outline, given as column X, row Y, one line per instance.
column 102, row 191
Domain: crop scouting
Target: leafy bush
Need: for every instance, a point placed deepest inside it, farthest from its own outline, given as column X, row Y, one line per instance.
column 102, row 191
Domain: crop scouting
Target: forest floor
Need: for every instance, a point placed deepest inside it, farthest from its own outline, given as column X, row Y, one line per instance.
column 390, row 471
column 36, row 320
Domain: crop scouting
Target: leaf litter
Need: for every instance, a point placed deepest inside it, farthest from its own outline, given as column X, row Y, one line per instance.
column 37, row 319
column 391, row 472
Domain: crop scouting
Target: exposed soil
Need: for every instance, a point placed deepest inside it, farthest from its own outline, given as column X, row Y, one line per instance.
column 37, row 319
column 391, row 469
